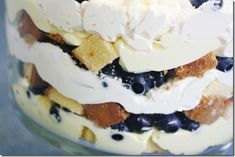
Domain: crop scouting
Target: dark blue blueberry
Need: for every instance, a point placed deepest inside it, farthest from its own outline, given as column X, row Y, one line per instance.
column 187, row 124
column 121, row 127
column 104, row 84
column 80, row 1
column 28, row 94
column 138, row 88
column 219, row 3
column 142, row 83
column 135, row 123
column 54, row 111
column 139, row 123
column 112, row 70
column 168, row 123
column 158, row 78
column 65, row 109
column 117, row 137
column 197, row 3
column 224, row 63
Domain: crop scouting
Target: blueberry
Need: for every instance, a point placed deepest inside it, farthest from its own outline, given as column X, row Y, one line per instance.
column 158, row 78
column 65, row 109
column 28, row 94
column 104, row 84
column 224, row 63
column 197, row 3
column 138, row 88
column 142, row 83
column 117, row 137
column 80, row 1
column 218, row 3
column 135, row 123
column 139, row 123
column 187, row 124
column 112, row 69
column 121, row 127
column 54, row 110
column 168, row 123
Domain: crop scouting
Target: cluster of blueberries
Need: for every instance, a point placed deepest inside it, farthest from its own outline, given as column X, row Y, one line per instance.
column 139, row 83
column 169, row 123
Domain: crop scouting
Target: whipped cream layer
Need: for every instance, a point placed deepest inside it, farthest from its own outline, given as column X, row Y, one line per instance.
column 37, row 107
column 59, row 70
column 140, row 24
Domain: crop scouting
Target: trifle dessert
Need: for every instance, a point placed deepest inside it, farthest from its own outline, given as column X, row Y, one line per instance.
column 126, row 76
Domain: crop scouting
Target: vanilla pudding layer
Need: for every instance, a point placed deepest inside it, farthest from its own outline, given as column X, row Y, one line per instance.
column 74, row 127
column 145, row 27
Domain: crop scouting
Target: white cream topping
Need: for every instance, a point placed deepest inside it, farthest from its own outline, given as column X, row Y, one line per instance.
column 139, row 23
column 106, row 19
column 58, row 69
column 64, row 14
column 188, row 143
column 198, row 28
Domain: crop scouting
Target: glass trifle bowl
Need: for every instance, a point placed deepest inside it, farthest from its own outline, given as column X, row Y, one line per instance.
column 125, row 77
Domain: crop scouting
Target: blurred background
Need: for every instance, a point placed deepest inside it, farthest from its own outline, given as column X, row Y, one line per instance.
column 15, row 139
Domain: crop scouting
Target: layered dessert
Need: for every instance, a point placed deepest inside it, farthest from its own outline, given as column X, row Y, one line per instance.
column 126, row 76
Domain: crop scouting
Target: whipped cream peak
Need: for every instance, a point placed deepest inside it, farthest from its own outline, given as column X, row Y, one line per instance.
column 99, row 19
column 63, row 15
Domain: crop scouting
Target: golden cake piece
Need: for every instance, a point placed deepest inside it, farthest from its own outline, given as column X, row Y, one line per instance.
column 88, row 135
column 106, row 114
column 65, row 102
column 95, row 53
column 28, row 30
column 209, row 109
column 198, row 67
column 36, row 84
